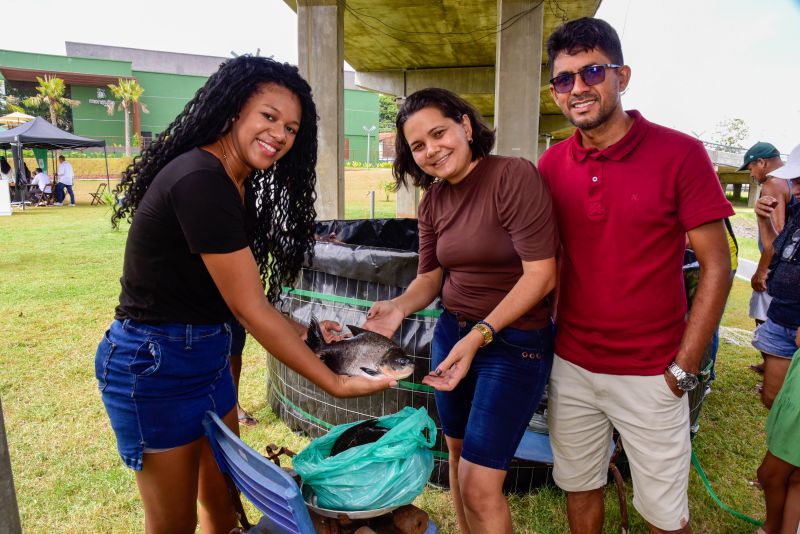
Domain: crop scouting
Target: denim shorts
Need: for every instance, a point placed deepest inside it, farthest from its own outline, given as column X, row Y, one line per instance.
column 772, row 338
column 491, row 407
column 158, row 381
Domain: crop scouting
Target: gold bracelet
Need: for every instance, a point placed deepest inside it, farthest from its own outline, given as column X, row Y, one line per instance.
column 485, row 332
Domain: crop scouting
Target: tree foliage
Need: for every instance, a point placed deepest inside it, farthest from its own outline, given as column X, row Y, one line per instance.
column 51, row 93
column 127, row 92
column 387, row 113
column 731, row 132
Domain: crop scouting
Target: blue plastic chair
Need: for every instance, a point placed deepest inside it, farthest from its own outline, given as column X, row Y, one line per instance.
column 266, row 485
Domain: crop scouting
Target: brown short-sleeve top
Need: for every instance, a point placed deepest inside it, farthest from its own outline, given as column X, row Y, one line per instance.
column 481, row 229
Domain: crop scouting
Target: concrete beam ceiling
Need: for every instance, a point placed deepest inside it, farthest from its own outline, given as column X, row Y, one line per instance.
column 397, row 47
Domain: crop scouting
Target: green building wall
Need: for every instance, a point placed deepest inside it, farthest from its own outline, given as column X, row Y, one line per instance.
column 165, row 96
column 91, row 118
column 361, row 109
column 49, row 62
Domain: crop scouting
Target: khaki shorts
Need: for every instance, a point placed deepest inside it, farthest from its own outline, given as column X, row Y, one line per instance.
column 654, row 426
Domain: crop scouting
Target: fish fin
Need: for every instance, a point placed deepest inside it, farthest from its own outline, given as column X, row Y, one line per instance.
column 314, row 338
column 355, row 330
column 370, row 372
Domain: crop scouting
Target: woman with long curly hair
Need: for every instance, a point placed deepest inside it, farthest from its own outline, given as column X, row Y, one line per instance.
column 487, row 244
column 221, row 207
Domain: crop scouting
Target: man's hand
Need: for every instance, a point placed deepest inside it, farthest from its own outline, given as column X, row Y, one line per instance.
column 672, row 382
column 759, row 281
column 765, row 206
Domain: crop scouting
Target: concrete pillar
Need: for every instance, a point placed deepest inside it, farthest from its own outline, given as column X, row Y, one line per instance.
column 753, row 193
column 9, row 513
column 320, row 34
column 737, row 191
column 407, row 201
column 518, row 79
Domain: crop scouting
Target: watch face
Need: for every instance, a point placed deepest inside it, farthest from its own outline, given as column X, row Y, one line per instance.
column 688, row 382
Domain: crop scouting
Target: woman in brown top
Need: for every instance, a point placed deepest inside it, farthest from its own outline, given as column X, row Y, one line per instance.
column 488, row 242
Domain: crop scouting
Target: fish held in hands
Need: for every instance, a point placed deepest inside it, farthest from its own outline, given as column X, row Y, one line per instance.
column 364, row 354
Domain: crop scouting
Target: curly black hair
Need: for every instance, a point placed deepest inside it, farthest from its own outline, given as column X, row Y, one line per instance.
column 280, row 199
column 452, row 106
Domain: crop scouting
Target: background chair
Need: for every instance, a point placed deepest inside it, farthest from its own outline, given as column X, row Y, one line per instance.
column 97, row 196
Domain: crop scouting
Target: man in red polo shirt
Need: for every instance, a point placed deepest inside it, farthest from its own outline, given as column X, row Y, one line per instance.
column 625, row 193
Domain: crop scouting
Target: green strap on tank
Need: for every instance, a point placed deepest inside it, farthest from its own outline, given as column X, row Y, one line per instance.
column 323, row 424
column 293, row 406
column 734, row 513
column 349, row 300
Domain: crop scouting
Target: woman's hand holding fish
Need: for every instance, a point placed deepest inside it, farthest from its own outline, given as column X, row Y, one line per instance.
column 450, row 372
column 332, row 331
column 384, row 317
column 358, row 386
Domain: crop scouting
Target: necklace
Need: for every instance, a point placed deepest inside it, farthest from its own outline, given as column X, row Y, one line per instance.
column 225, row 158
column 227, row 168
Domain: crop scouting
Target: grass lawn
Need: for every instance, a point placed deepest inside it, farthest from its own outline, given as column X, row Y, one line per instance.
column 59, row 272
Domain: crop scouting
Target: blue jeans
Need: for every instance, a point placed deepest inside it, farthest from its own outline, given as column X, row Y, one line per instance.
column 158, row 381
column 60, row 196
column 491, row 407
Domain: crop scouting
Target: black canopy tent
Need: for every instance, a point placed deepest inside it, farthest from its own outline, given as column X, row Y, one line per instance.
column 39, row 133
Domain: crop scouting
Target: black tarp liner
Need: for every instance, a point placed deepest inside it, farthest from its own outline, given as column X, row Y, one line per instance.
column 395, row 234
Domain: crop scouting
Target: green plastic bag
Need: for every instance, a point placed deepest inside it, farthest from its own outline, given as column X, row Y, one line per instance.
column 389, row 472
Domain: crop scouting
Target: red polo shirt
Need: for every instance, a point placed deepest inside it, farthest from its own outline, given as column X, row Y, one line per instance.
column 623, row 213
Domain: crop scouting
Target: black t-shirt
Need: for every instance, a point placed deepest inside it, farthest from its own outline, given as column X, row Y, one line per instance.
column 191, row 207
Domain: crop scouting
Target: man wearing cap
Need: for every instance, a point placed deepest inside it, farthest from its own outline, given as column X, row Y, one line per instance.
column 761, row 160
column 775, row 338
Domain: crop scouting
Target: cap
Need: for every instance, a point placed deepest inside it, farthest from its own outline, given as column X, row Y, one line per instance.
column 792, row 167
column 757, row 151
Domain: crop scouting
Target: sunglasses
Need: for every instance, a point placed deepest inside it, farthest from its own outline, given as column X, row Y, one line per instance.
column 591, row 75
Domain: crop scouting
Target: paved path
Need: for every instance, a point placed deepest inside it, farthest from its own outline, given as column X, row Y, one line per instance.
column 746, row 269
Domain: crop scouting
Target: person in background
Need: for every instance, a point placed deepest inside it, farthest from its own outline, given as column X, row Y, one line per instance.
column 775, row 337
column 779, row 473
column 65, row 179
column 626, row 192
column 222, row 216
column 6, row 171
column 761, row 159
column 487, row 243
column 42, row 182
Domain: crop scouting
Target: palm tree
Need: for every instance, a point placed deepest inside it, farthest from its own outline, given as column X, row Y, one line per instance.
column 10, row 104
column 128, row 93
column 51, row 92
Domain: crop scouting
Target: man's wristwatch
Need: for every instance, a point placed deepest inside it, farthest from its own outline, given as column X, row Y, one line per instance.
column 686, row 381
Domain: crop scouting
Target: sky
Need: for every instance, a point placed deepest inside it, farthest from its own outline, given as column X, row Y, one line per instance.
column 695, row 63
